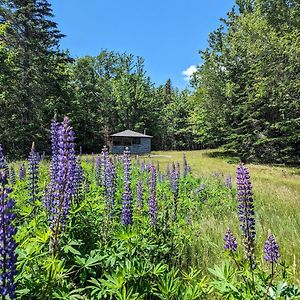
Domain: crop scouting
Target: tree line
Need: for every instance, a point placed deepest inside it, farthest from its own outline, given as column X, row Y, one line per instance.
column 245, row 93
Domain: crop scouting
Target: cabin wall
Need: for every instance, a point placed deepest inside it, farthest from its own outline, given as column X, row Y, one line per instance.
column 142, row 148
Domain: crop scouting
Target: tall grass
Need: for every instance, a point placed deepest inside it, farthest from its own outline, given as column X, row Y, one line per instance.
column 277, row 205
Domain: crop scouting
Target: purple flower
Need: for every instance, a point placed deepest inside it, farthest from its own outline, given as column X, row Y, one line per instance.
column 228, row 182
column 174, row 180
column 127, row 195
column 22, row 172
column 63, row 177
column 12, row 175
column 33, row 171
column 78, row 178
column 168, row 172
column 271, row 249
column 98, row 170
column 139, row 194
column 108, row 179
column 152, row 198
column 246, row 211
column 230, row 241
column 8, row 257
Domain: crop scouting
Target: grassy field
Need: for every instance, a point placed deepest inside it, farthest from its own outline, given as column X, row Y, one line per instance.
column 277, row 204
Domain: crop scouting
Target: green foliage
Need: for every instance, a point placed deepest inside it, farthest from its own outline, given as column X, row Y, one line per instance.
column 247, row 89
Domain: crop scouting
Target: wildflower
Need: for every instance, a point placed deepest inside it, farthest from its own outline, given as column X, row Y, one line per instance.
column 246, row 211
column 22, row 172
column 63, row 178
column 12, row 175
column 271, row 249
column 8, row 257
column 139, row 194
column 230, row 241
column 228, row 182
column 127, row 195
column 152, row 198
column 33, row 171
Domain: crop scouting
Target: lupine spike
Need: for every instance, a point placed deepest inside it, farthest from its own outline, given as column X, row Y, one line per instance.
column 152, row 198
column 127, row 195
column 230, row 241
column 8, row 257
column 63, row 182
column 228, row 182
column 33, row 171
column 22, row 172
column 246, row 211
column 271, row 249
column 12, row 175
column 139, row 194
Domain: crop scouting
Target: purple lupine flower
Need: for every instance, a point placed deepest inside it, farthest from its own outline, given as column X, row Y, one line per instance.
column 98, row 170
column 160, row 176
column 168, row 172
column 174, row 180
column 185, row 166
column 22, row 172
column 228, row 182
column 246, row 211
column 33, row 171
column 108, row 179
column 63, row 183
column 143, row 167
column 271, row 249
column 78, row 178
column 110, row 185
column 139, row 194
column 152, row 198
column 127, row 195
column 230, row 241
column 12, row 175
column 8, row 256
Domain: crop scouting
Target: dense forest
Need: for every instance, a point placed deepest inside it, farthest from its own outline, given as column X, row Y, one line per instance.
column 245, row 95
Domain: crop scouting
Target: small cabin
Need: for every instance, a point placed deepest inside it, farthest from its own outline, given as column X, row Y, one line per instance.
column 136, row 142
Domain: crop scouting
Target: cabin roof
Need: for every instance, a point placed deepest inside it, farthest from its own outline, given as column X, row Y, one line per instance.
column 130, row 133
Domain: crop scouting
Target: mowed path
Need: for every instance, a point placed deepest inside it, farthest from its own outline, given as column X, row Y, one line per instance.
column 276, row 193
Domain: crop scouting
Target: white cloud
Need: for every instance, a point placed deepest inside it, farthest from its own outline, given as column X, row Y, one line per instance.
column 189, row 72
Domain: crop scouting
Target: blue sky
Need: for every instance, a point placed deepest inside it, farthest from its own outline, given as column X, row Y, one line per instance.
column 167, row 33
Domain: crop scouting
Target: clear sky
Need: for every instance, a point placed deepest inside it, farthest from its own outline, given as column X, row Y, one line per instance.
column 166, row 33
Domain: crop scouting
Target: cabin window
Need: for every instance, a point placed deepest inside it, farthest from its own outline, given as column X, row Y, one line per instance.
column 136, row 141
column 126, row 141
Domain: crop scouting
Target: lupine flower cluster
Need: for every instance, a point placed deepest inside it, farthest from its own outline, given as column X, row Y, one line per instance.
column 127, row 195
column 139, row 194
column 78, row 178
column 152, row 198
column 108, row 179
column 246, row 211
column 8, row 245
column 271, row 249
column 22, row 172
column 228, row 181
column 12, row 175
column 174, row 179
column 33, row 171
column 98, row 170
column 63, row 176
column 230, row 241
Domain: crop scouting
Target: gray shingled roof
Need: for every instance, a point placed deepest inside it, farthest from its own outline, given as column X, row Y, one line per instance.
column 130, row 133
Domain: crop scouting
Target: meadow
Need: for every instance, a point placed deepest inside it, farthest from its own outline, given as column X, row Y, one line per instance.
column 172, row 225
